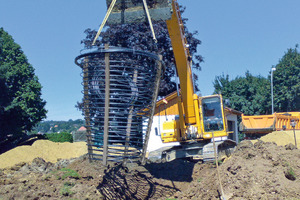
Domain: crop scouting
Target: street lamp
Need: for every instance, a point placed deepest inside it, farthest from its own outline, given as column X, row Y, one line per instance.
column 272, row 99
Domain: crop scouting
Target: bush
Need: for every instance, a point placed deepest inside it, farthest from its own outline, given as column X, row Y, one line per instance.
column 60, row 137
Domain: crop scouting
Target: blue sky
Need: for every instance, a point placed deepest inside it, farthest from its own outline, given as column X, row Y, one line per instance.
column 236, row 36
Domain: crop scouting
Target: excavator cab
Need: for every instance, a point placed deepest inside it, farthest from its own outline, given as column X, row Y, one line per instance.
column 135, row 11
column 212, row 114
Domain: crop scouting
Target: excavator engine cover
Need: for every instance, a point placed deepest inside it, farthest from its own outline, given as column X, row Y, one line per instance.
column 132, row 11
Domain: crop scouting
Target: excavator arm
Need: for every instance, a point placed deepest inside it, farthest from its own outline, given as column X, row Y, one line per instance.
column 183, row 62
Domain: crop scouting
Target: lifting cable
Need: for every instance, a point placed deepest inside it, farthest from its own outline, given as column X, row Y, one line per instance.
column 217, row 165
column 149, row 20
column 104, row 20
column 108, row 13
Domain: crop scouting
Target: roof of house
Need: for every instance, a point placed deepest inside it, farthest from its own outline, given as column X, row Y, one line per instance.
column 168, row 98
column 230, row 110
column 82, row 129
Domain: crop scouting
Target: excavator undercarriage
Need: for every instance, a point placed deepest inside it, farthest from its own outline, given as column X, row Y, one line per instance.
column 202, row 150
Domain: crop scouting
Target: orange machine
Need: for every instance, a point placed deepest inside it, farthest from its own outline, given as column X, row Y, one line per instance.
column 263, row 124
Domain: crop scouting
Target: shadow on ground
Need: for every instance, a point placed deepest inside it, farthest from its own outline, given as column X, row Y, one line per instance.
column 120, row 183
column 11, row 143
column 142, row 183
column 176, row 170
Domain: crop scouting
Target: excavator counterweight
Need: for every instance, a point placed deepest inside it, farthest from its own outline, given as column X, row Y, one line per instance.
column 133, row 11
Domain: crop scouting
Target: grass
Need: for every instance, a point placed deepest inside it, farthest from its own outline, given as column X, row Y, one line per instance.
column 219, row 162
column 65, row 173
column 69, row 173
column 199, row 180
column 290, row 174
column 66, row 189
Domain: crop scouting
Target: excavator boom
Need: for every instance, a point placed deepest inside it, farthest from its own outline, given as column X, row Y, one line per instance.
column 183, row 63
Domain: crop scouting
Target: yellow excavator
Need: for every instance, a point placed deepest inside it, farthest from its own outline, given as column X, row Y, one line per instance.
column 201, row 119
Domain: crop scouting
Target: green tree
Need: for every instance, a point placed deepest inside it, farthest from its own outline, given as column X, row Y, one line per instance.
column 139, row 36
column 60, row 137
column 249, row 94
column 21, row 106
column 286, row 82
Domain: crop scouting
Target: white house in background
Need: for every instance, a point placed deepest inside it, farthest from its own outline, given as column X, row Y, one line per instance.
column 167, row 109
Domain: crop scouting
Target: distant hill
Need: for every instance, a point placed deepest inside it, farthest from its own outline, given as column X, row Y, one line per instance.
column 58, row 126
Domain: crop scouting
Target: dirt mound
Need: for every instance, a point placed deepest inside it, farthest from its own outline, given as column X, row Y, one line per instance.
column 49, row 151
column 262, row 170
column 259, row 171
column 281, row 138
column 45, row 180
column 80, row 179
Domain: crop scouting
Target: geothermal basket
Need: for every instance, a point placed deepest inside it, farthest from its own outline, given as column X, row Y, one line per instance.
column 120, row 91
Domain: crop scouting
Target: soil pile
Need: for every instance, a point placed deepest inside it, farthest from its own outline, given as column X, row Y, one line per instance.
column 80, row 179
column 282, row 138
column 254, row 171
column 259, row 171
column 49, row 151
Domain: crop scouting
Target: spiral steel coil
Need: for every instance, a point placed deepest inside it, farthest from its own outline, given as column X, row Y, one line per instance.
column 132, row 85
